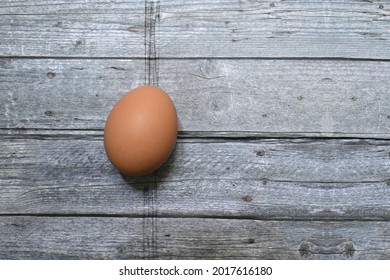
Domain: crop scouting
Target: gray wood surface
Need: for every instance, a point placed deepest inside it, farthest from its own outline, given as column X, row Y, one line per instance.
column 262, row 179
column 72, row 29
column 177, row 238
column 217, row 28
column 294, row 97
column 230, row 28
column 283, row 149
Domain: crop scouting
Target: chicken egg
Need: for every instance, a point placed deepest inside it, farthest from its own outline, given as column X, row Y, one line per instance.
column 141, row 131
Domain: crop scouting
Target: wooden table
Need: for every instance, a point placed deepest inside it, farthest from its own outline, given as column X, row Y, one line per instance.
column 284, row 141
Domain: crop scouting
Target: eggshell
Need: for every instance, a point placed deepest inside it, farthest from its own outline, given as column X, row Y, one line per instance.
column 141, row 131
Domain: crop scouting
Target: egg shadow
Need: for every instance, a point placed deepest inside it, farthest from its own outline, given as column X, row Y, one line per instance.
column 153, row 180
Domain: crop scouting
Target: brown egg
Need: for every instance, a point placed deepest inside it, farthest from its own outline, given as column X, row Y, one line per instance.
column 141, row 131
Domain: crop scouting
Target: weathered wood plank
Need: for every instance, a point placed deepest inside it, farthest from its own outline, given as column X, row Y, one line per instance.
column 294, row 96
column 27, row 237
column 63, row 93
column 72, row 29
column 269, row 28
column 250, row 96
column 234, row 239
column 357, row 29
column 262, row 179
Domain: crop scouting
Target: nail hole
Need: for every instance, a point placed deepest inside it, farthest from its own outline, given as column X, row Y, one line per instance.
column 51, row 75
column 247, row 198
column 80, row 42
column 49, row 113
column 259, row 153
column 251, row 241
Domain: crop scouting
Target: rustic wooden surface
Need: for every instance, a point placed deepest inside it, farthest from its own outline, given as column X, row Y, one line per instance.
column 284, row 141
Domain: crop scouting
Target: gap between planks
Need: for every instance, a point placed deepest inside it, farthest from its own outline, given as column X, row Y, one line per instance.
column 189, row 217
column 153, row 57
column 211, row 136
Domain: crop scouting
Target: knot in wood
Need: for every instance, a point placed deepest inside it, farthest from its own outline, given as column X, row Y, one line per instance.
column 304, row 250
column 349, row 250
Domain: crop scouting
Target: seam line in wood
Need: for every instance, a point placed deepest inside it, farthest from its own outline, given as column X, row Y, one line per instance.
column 200, row 217
column 155, row 57
column 152, row 10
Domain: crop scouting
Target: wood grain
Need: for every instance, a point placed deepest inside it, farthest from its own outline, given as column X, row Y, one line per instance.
column 237, row 97
column 29, row 237
column 283, row 150
column 72, row 94
column 342, row 29
column 282, row 96
column 262, row 179
column 269, row 28
column 72, row 29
